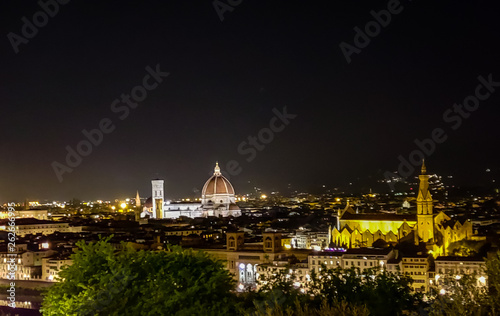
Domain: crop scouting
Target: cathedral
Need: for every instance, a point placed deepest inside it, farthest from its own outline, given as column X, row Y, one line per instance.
column 217, row 199
column 437, row 231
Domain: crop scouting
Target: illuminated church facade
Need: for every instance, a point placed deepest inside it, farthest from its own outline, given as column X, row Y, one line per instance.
column 437, row 231
column 217, row 199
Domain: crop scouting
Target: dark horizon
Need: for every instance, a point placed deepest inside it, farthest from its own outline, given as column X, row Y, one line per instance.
column 227, row 80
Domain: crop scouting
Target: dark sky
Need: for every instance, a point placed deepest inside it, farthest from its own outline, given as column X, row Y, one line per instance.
column 226, row 77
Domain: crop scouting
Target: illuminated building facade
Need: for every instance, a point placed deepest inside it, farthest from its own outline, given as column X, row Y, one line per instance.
column 248, row 261
column 367, row 258
column 361, row 230
column 330, row 260
column 310, row 240
column 417, row 267
column 51, row 266
column 457, row 267
column 437, row 231
column 25, row 226
column 28, row 264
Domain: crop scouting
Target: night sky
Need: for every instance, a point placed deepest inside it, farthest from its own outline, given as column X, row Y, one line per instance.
column 225, row 78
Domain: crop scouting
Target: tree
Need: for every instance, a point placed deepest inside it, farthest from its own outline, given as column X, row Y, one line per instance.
column 277, row 290
column 458, row 296
column 102, row 281
column 493, row 272
column 338, row 308
column 468, row 248
column 383, row 293
column 472, row 294
column 374, row 291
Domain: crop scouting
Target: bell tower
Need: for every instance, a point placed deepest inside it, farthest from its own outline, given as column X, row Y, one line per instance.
column 157, row 197
column 425, row 217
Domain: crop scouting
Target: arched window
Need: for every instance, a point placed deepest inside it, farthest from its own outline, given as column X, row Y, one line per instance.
column 269, row 243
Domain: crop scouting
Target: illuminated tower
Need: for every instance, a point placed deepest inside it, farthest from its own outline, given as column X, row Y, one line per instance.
column 425, row 218
column 157, row 198
column 137, row 200
column 137, row 210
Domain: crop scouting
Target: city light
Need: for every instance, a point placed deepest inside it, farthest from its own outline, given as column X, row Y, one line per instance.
column 482, row 280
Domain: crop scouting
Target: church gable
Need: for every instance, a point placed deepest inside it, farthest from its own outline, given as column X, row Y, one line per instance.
column 391, row 237
column 404, row 230
column 378, row 235
column 441, row 217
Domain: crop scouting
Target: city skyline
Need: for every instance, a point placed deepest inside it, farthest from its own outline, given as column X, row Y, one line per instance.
column 294, row 94
column 367, row 184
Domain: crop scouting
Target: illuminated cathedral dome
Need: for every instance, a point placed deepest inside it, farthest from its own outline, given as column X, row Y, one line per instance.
column 217, row 184
column 217, row 196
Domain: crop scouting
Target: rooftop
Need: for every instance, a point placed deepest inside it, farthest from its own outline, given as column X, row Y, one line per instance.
column 368, row 251
column 458, row 259
column 380, row 217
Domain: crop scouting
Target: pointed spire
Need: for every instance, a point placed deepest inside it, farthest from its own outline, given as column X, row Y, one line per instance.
column 217, row 169
column 424, row 169
column 137, row 199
